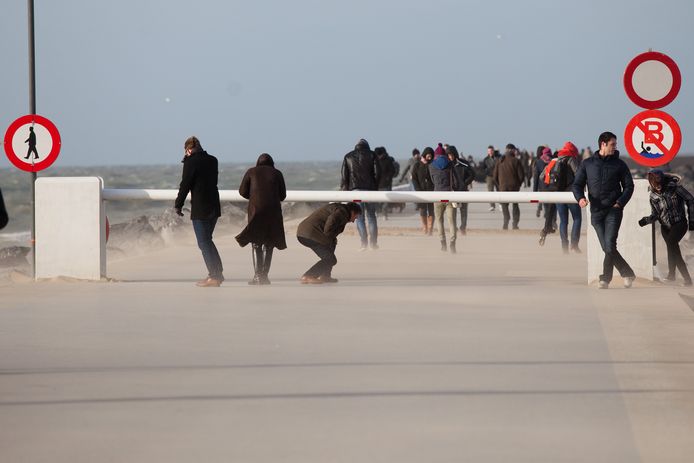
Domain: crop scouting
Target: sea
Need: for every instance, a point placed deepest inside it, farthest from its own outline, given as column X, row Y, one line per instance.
column 16, row 188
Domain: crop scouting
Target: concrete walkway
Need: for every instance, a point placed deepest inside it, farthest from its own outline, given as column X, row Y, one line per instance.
column 500, row 353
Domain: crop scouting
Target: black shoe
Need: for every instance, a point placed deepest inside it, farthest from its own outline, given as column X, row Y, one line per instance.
column 443, row 246
column 543, row 237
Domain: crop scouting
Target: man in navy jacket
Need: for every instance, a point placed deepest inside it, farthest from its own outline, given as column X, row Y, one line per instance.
column 610, row 187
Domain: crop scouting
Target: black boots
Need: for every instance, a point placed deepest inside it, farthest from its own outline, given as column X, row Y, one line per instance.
column 262, row 259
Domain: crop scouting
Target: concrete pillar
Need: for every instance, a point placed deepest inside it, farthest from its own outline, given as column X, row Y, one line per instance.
column 634, row 242
column 70, row 228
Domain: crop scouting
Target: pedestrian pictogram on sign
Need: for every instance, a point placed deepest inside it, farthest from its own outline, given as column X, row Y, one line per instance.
column 652, row 80
column 32, row 143
column 652, row 138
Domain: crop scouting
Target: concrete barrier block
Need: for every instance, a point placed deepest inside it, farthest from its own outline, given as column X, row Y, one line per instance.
column 70, row 228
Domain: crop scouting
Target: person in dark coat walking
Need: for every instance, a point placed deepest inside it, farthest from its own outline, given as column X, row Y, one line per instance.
column 386, row 165
column 361, row 171
column 199, row 178
column 466, row 174
column 668, row 199
column 319, row 232
column 610, row 187
column 263, row 186
column 509, row 176
column 421, row 181
column 488, row 164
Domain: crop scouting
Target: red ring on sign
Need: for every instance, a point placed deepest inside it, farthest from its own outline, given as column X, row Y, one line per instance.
column 52, row 130
column 629, row 76
column 636, row 154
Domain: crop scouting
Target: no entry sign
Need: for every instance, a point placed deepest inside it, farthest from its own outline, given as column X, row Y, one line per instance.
column 32, row 143
column 652, row 138
column 652, row 80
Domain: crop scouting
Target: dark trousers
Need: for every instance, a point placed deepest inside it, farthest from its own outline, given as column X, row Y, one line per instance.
column 463, row 215
column 672, row 236
column 550, row 216
column 606, row 223
column 203, row 233
column 507, row 216
column 426, row 209
column 324, row 266
column 563, row 211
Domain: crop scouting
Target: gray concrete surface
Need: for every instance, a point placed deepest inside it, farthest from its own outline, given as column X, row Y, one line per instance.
column 500, row 353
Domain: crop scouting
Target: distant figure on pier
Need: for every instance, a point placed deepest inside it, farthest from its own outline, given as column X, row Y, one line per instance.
column 199, row 178
column 319, row 232
column 421, row 181
column 410, row 167
column 466, row 175
column 667, row 199
column 263, row 186
column 509, row 176
column 445, row 178
column 32, row 144
column 488, row 164
column 610, row 187
column 361, row 171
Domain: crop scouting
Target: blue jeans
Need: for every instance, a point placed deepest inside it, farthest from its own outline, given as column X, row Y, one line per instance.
column 203, row 233
column 368, row 209
column 563, row 211
column 606, row 223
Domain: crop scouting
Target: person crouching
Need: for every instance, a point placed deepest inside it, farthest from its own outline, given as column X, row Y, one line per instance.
column 319, row 232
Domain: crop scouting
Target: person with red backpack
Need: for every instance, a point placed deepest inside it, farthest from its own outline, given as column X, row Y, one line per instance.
column 567, row 164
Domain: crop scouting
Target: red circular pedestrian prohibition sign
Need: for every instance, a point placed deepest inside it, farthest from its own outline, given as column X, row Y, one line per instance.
column 652, row 138
column 36, row 136
column 652, row 80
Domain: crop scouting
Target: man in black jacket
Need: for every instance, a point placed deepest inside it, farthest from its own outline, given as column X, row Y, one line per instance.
column 610, row 187
column 200, row 179
column 361, row 171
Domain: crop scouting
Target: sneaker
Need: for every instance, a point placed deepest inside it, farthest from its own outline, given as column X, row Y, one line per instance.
column 603, row 284
column 443, row 246
column 628, row 281
column 491, row 209
column 363, row 248
column 669, row 278
column 543, row 237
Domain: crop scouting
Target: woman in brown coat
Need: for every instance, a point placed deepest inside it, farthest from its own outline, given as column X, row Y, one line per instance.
column 263, row 186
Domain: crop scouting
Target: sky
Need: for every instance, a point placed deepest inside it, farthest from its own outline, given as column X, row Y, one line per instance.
column 127, row 82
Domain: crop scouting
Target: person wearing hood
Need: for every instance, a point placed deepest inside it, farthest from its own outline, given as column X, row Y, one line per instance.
column 509, row 176
column 361, row 171
column 668, row 199
column 199, row 178
column 568, row 163
column 421, row 181
column 386, row 165
column 263, row 186
column 445, row 178
column 610, row 187
column 466, row 175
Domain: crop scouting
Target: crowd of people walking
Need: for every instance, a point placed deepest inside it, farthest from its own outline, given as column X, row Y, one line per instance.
column 606, row 177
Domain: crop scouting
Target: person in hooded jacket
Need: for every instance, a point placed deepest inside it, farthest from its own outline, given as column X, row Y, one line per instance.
column 509, row 176
column 610, row 187
column 445, row 178
column 668, row 199
column 571, row 161
column 386, row 165
column 421, row 181
column 466, row 175
column 361, row 171
column 263, row 186
column 409, row 169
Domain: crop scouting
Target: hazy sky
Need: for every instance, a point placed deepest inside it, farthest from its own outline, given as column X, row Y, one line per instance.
column 127, row 81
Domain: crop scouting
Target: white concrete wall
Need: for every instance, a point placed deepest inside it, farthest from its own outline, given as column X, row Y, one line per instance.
column 70, row 228
column 634, row 242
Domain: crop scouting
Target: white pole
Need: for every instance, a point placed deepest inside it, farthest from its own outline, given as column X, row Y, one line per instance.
column 113, row 194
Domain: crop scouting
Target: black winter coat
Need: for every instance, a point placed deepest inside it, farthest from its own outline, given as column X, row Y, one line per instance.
column 386, row 166
column 360, row 171
column 263, row 186
column 421, row 177
column 465, row 172
column 608, row 179
column 199, row 178
column 324, row 224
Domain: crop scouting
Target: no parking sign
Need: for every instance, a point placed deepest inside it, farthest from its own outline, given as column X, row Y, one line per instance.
column 32, row 143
